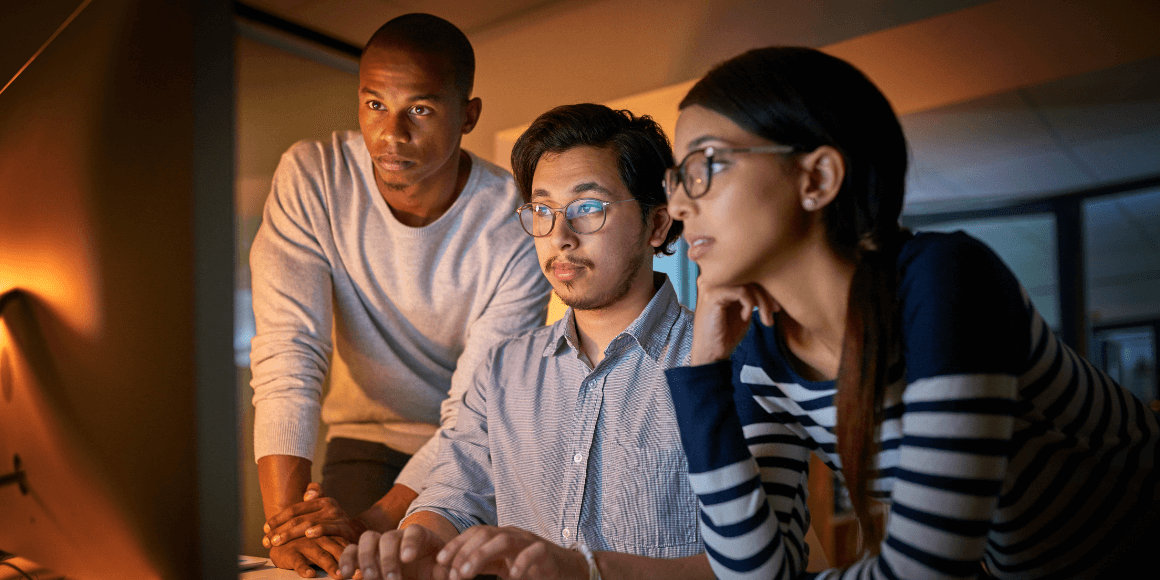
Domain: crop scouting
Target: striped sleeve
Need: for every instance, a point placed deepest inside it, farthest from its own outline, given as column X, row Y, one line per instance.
column 952, row 462
column 749, row 472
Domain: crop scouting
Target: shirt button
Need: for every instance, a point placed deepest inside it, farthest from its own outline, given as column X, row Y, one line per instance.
column 567, row 533
column 577, row 458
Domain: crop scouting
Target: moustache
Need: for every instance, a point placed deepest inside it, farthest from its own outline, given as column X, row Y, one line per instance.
column 573, row 261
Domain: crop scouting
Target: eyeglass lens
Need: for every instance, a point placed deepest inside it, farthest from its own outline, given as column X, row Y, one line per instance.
column 693, row 173
column 583, row 216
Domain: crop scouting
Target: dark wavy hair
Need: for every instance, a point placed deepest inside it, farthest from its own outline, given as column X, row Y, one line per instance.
column 806, row 98
column 429, row 34
column 642, row 152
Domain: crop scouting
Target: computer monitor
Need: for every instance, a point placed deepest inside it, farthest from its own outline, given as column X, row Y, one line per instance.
column 117, row 387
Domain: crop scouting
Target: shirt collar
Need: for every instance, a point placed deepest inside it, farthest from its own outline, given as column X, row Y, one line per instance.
column 650, row 330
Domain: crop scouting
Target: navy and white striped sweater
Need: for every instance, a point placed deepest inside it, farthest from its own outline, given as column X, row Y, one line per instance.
column 999, row 444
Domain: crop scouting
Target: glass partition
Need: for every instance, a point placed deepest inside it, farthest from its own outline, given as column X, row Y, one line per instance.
column 1027, row 244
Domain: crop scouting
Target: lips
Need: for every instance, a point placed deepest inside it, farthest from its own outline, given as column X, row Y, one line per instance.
column 565, row 270
column 393, row 162
column 698, row 245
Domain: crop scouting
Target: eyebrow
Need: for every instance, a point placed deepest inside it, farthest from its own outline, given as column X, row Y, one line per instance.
column 579, row 188
column 697, row 143
column 423, row 97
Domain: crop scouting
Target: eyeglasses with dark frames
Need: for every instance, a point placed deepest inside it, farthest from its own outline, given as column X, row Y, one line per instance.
column 583, row 216
column 695, row 171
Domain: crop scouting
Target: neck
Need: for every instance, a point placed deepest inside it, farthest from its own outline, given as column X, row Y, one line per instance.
column 422, row 203
column 813, row 291
column 595, row 329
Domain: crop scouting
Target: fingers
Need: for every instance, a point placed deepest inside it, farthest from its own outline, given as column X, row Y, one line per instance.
column 766, row 305
column 301, row 554
column 418, row 542
column 326, row 555
column 348, row 561
column 485, row 550
column 291, row 559
column 368, row 552
column 295, row 521
column 479, row 546
column 530, row 562
column 313, row 490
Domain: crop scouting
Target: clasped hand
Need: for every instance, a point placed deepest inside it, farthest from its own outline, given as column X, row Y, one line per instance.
column 416, row 552
column 313, row 531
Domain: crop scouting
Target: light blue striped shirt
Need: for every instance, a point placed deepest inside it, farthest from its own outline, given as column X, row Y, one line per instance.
column 545, row 443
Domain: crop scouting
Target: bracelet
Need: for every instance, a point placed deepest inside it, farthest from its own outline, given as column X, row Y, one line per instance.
column 593, row 571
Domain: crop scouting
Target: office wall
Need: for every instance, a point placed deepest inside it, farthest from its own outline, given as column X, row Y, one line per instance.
column 281, row 98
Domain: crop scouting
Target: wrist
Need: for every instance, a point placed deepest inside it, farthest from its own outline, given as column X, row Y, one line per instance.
column 588, row 559
column 358, row 526
column 697, row 359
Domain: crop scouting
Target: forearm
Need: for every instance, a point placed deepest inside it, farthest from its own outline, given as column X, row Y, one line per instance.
column 432, row 521
column 620, row 566
column 283, row 480
column 386, row 513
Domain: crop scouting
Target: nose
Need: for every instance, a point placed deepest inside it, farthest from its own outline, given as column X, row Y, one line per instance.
column 680, row 206
column 396, row 128
column 562, row 236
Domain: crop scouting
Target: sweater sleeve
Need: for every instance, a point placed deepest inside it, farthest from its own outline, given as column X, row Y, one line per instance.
column 519, row 303
column 749, row 471
column 292, row 293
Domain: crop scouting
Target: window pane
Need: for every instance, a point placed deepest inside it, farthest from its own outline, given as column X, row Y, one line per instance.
column 1128, row 355
column 1027, row 245
column 681, row 271
column 1123, row 257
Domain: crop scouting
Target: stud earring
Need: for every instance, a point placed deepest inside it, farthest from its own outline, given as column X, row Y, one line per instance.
column 810, row 204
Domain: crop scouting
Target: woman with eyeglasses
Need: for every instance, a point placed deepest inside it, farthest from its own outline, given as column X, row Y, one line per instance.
column 913, row 364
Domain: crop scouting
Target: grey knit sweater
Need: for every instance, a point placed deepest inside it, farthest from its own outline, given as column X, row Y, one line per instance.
column 397, row 316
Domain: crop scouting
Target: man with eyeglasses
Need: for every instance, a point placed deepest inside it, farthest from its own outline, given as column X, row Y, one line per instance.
column 567, row 436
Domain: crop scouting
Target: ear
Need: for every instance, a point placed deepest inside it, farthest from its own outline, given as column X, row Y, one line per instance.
column 471, row 112
column 822, row 172
column 660, row 221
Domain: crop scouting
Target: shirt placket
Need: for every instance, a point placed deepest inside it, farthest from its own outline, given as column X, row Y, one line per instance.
column 588, row 402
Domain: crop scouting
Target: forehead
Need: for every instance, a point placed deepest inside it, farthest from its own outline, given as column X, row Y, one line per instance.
column 698, row 127
column 394, row 69
column 578, row 172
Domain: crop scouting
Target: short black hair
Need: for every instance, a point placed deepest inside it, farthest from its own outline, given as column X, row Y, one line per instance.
column 642, row 152
column 431, row 35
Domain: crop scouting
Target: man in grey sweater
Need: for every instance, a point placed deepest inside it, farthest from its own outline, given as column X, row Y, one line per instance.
column 388, row 262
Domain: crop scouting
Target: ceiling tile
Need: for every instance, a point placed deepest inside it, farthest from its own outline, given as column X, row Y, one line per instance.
column 928, row 187
column 1109, row 101
column 1123, row 156
column 981, row 131
column 1020, row 175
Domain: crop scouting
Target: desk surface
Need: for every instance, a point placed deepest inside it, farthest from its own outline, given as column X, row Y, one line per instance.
column 270, row 572
column 266, row 572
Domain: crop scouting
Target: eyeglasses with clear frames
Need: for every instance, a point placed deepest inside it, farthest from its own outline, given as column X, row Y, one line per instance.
column 583, row 216
column 695, row 170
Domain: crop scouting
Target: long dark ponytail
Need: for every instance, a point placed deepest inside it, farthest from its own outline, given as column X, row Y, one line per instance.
column 805, row 98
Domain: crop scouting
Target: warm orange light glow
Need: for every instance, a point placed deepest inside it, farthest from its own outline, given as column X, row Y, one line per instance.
column 59, row 277
column 64, row 486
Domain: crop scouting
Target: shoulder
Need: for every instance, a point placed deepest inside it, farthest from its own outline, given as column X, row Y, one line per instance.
column 314, row 152
column 490, row 201
column 518, row 353
column 961, row 308
column 946, row 261
column 492, row 183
